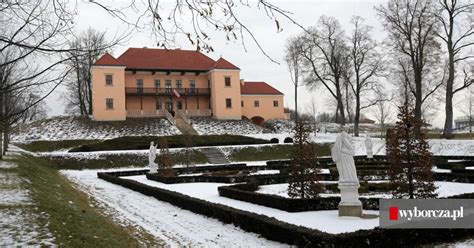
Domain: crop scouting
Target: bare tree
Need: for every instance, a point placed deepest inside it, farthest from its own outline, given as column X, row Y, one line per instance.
column 412, row 25
column 382, row 109
column 313, row 111
column 201, row 18
column 325, row 54
column 294, row 59
column 365, row 66
column 467, row 108
column 32, row 44
column 457, row 33
column 88, row 47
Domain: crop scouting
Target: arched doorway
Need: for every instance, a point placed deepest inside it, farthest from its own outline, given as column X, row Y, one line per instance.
column 258, row 120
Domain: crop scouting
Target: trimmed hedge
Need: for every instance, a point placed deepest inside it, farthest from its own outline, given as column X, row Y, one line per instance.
column 212, row 168
column 276, row 230
column 266, row 179
column 452, row 177
column 176, row 141
column 240, row 192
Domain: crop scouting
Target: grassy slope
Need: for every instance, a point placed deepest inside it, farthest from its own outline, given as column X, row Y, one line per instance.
column 72, row 218
column 118, row 160
column 143, row 142
column 49, row 146
column 271, row 152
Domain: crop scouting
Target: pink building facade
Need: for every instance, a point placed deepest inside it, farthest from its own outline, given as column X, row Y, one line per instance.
column 146, row 82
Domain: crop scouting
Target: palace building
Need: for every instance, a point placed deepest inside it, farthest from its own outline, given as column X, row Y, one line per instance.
column 146, row 82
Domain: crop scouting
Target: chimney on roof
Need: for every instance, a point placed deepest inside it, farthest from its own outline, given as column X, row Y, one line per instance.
column 242, row 82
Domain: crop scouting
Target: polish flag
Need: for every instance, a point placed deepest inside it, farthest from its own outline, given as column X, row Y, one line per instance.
column 175, row 93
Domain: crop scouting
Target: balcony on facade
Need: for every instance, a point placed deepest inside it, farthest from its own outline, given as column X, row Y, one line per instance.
column 155, row 102
column 185, row 92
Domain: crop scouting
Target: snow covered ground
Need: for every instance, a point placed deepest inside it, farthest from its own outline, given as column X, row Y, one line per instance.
column 177, row 227
column 444, row 189
column 326, row 221
column 439, row 147
column 70, row 128
column 234, row 127
column 17, row 215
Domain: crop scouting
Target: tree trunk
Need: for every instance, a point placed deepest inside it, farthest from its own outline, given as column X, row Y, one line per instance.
column 296, row 102
column 5, row 124
column 448, row 122
column 418, row 102
column 340, row 106
column 89, row 95
column 357, row 117
column 2, row 121
column 6, row 138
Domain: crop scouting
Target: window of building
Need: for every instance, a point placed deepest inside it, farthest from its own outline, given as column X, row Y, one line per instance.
column 109, row 103
column 228, row 103
column 168, row 86
column 139, row 85
column 179, row 84
column 241, row 103
column 275, row 103
column 192, row 86
column 227, row 81
column 179, row 105
column 256, row 104
column 158, row 104
column 209, row 83
column 108, row 79
column 157, row 83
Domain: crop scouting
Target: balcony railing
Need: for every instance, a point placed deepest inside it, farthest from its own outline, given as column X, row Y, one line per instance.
column 144, row 113
column 137, row 91
column 162, row 113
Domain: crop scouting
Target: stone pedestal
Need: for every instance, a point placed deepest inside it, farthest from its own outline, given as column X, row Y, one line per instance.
column 153, row 168
column 350, row 204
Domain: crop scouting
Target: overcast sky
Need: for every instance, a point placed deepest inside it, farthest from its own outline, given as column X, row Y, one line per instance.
column 254, row 65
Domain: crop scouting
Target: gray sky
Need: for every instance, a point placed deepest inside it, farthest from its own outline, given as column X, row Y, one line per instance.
column 254, row 65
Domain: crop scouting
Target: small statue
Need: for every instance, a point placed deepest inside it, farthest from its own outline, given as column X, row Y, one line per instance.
column 151, row 158
column 342, row 154
column 369, row 147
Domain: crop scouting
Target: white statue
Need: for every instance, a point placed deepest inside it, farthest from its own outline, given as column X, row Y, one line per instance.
column 369, row 147
column 342, row 154
column 151, row 158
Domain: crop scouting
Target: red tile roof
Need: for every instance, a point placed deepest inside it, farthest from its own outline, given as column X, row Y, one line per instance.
column 258, row 88
column 108, row 59
column 150, row 58
column 221, row 63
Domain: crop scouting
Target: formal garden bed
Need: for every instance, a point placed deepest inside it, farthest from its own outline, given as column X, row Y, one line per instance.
column 276, row 196
column 296, row 228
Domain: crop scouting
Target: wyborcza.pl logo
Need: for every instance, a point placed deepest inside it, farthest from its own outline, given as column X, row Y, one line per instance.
column 429, row 213
column 414, row 213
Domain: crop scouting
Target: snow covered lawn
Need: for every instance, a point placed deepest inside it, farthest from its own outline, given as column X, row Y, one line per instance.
column 444, row 189
column 326, row 221
column 177, row 227
column 18, row 226
column 70, row 128
column 234, row 127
